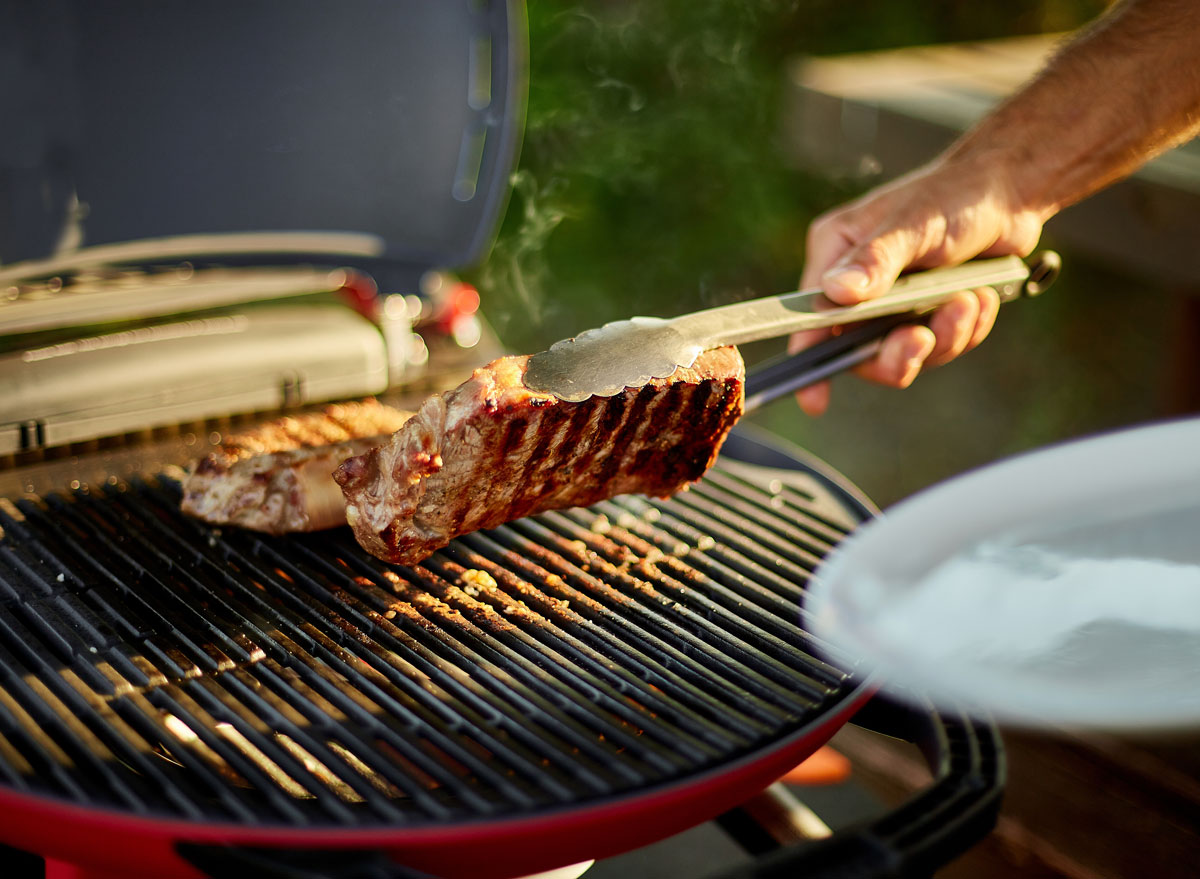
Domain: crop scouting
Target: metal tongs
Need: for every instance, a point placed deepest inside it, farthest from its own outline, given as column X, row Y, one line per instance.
column 628, row 353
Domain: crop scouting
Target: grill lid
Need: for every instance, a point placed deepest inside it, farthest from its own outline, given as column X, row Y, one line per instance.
column 157, row 666
column 379, row 129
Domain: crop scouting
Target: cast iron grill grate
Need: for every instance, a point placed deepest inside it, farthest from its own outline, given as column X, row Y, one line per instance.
column 155, row 665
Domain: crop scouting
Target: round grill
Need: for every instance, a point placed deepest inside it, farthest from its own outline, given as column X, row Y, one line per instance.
column 157, row 666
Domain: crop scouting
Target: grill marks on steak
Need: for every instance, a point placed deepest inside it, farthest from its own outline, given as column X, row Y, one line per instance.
column 492, row 450
column 278, row 477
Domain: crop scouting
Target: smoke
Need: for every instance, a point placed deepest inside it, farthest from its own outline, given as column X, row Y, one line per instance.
column 650, row 180
column 518, row 262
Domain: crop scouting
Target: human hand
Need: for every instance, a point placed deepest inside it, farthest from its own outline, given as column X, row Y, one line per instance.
column 944, row 214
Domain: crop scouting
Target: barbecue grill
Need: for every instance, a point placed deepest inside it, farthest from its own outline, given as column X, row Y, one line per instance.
column 562, row 687
column 183, row 700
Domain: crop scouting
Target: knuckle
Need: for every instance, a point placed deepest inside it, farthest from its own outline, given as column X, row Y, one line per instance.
column 884, row 253
column 827, row 225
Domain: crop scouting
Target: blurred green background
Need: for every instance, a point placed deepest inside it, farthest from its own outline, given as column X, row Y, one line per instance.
column 654, row 180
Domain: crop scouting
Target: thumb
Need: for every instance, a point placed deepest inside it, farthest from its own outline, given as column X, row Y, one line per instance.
column 867, row 270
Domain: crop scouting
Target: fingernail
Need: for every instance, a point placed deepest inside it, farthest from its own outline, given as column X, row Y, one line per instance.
column 850, row 277
column 912, row 368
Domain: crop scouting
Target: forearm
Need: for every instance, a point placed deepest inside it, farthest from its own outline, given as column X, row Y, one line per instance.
column 1118, row 94
column 1125, row 90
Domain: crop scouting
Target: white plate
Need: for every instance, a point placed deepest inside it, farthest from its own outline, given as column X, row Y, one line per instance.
column 1057, row 588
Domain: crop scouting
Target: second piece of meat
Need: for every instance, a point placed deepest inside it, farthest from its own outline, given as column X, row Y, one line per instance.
column 278, row 477
column 491, row 451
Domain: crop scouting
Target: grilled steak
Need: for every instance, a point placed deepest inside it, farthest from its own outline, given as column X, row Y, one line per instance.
column 278, row 477
column 491, row 450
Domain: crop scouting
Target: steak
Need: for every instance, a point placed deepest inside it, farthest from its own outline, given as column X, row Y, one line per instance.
column 491, row 450
column 279, row 477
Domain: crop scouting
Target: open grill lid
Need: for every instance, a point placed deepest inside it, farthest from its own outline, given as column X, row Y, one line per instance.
column 380, row 130
column 153, row 665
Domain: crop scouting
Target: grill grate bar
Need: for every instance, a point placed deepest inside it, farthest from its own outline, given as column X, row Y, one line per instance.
column 195, row 764
column 351, row 666
column 172, row 704
column 718, row 592
column 57, row 733
column 175, row 710
column 789, row 549
column 170, row 659
column 758, row 580
column 44, row 765
column 634, row 626
column 675, row 744
column 344, row 739
column 167, row 667
column 478, row 562
column 200, row 730
column 732, row 660
column 14, row 768
column 389, row 675
column 283, row 745
column 588, row 643
column 403, row 747
column 559, row 728
column 776, row 505
column 199, row 783
column 105, row 558
column 233, row 695
column 760, row 655
column 129, row 747
column 502, row 651
column 747, row 571
column 28, row 569
column 169, row 575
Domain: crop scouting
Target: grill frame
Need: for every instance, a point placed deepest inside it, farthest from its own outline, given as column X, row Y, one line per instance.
column 539, row 838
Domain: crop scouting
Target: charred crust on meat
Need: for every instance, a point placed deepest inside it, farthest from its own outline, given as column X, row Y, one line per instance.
column 581, row 415
column 509, row 452
column 633, row 422
column 391, row 543
column 643, row 458
column 613, row 411
column 698, row 400
column 513, row 435
column 551, row 421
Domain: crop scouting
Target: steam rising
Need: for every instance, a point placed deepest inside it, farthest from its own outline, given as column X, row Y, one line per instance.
column 518, row 264
column 650, row 181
